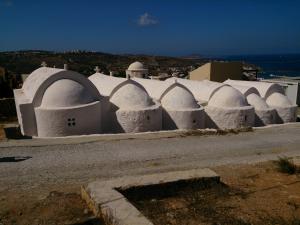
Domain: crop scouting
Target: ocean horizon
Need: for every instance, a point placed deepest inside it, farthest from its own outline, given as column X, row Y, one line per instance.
column 272, row 65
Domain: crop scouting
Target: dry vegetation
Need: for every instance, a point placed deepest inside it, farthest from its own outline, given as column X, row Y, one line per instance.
column 286, row 165
column 21, row 208
column 248, row 195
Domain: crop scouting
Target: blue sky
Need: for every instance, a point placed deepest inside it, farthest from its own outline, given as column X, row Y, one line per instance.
column 160, row 27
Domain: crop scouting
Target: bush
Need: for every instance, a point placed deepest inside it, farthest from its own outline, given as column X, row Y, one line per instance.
column 286, row 165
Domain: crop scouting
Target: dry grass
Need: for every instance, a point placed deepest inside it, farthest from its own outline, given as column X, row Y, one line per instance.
column 249, row 195
column 108, row 218
column 216, row 132
column 286, row 165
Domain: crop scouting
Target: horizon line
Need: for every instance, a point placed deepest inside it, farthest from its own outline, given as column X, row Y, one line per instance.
column 148, row 54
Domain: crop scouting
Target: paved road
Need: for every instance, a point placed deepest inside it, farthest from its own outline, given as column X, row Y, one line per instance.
column 79, row 160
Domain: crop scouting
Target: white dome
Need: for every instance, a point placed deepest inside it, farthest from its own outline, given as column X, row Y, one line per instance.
column 179, row 98
column 256, row 101
column 136, row 66
column 227, row 96
column 37, row 78
column 278, row 100
column 265, row 89
column 66, row 93
column 131, row 95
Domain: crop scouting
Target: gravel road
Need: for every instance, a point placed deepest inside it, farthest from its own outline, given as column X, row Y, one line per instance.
column 34, row 163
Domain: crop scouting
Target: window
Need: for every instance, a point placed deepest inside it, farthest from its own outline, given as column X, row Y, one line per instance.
column 71, row 122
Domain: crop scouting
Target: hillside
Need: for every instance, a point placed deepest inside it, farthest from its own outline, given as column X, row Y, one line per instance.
column 22, row 62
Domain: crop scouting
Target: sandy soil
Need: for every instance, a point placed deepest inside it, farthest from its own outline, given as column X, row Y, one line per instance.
column 45, row 207
column 248, row 194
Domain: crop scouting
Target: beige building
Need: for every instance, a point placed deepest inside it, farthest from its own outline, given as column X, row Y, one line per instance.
column 218, row 71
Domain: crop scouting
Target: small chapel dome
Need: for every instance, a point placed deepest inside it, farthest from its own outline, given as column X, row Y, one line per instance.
column 179, row 97
column 227, row 96
column 136, row 66
column 278, row 100
column 131, row 95
column 66, row 93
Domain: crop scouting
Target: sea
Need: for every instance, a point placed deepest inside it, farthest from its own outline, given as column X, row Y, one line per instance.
column 272, row 65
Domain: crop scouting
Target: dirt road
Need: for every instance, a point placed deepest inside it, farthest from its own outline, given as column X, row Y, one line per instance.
column 33, row 163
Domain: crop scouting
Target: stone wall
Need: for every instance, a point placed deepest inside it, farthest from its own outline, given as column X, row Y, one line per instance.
column 7, row 107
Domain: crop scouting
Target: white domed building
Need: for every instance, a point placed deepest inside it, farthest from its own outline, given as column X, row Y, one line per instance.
column 275, row 97
column 225, row 107
column 228, row 109
column 55, row 102
column 264, row 115
column 130, row 108
column 137, row 69
column 202, row 90
column 180, row 108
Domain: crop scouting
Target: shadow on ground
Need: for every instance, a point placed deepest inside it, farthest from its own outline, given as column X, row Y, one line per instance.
column 14, row 159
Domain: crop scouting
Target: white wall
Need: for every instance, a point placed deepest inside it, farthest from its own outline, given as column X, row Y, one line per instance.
column 139, row 120
column 229, row 118
column 189, row 119
column 85, row 119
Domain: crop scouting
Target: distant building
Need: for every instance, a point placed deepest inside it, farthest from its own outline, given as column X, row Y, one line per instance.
column 160, row 76
column 137, row 69
column 218, row 71
column 250, row 72
column 291, row 86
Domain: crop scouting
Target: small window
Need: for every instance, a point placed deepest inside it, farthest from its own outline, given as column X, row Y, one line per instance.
column 245, row 117
column 194, row 121
column 71, row 122
column 148, row 117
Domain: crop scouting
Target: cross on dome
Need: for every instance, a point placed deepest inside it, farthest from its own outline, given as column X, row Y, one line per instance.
column 97, row 69
column 43, row 64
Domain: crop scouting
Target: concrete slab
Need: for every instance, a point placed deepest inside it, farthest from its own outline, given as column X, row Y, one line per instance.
column 103, row 197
